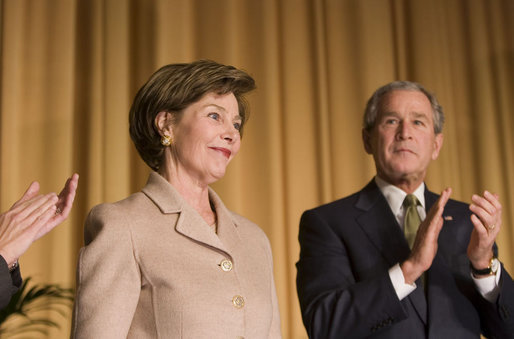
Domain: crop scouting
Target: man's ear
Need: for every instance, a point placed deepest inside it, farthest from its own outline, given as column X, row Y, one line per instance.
column 163, row 123
column 366, row 140
column 438, row 143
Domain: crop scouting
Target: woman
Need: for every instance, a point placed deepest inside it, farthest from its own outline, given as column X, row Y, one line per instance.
column 171, row 261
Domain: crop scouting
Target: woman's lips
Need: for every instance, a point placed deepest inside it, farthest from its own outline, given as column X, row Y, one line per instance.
column 225, row 151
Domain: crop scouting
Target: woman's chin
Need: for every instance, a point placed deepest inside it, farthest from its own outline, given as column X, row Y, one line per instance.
column 216, row 175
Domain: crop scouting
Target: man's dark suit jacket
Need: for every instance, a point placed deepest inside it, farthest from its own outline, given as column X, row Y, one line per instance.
column 347, row 248
column 9, row 282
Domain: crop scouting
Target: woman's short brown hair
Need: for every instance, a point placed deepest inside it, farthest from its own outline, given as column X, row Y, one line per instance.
column 174, row 87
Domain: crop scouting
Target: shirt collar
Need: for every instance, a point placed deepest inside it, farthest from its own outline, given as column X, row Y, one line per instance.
column 395, row 195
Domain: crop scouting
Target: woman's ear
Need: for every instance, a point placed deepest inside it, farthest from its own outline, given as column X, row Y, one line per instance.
column 163, row 123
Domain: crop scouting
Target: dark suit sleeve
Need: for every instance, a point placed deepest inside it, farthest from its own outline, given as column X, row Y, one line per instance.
column 498, row 318
column 9, row 282
column 334, row 302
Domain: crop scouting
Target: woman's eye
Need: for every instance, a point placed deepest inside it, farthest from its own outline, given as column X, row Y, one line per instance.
column 237, row 125
column 214, row 116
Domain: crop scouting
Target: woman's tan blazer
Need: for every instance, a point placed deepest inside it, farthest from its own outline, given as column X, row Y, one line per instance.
column 152, row 268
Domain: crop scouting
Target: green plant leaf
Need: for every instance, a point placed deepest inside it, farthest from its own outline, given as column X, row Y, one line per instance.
column 28, row 303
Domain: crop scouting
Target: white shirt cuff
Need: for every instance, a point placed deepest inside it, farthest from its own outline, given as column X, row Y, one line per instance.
column 488, row 287
column 402, row 289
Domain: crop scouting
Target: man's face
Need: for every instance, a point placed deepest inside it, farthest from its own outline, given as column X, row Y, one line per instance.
column 403, row 141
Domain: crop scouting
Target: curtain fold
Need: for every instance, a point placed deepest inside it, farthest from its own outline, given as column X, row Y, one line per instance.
column 70, row 69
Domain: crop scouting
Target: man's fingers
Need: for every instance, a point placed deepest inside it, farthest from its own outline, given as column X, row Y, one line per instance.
column 487, row 210
column 483, row 203
column 479, row 226
column 437, row 209
column 44, row 223
column 48, row 202
column 26, row 221
column 70, row 185
column 485, row 217
column 435, row 215
column 485, row 229
column 493, row 199
column 42, row 216
column 445, row 196
column 30, row 193
column 66, row 197
column 24, row 209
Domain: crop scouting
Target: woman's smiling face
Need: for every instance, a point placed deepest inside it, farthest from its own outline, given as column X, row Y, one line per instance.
column 207, row 137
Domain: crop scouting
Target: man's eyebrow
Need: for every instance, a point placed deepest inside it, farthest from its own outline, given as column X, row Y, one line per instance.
column 420, row 115
column 389, row 114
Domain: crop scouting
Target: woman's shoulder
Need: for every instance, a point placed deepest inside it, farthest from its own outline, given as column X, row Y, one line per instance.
column 116, row 217
column 241, row 221
column 247, row 226
column 127, row 206
column 253, row 236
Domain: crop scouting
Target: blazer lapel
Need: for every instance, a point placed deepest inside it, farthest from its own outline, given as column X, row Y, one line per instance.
column 227, row 228
column 430, row 199
column 191, row 225
column 379, row 223
column 189, row 222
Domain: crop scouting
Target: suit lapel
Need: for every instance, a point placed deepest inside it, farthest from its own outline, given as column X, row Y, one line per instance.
column 189, row 222
column 380, row 225
column 438, row 276
column 430, row 199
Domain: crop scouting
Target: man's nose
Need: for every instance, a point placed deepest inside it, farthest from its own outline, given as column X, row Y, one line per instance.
column 404, row 130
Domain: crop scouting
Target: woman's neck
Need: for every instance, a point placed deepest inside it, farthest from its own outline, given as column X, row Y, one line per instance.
column 194, row 192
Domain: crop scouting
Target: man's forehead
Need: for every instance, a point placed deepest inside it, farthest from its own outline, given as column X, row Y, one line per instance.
column 414, row 114
column 414, row 102
column 401, row 95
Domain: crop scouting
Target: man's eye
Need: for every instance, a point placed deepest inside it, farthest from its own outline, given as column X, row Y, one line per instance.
column 214, row 116
column 418, row 122
column 391, row 121
column 237, row 125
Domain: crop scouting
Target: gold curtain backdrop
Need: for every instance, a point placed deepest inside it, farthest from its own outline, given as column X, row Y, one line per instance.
column 70, row 68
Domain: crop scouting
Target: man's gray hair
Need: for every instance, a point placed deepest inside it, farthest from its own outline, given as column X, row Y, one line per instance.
column 372, row 107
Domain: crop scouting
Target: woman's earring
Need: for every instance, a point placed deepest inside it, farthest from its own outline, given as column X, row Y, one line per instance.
column 166, row 140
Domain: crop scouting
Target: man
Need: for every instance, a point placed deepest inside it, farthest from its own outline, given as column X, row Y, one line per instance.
column 31, row 217
column 360, row 276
